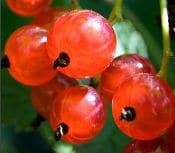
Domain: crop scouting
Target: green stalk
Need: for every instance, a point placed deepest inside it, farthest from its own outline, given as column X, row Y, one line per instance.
column 75, row 5
column 116, row 13
column 166, row 39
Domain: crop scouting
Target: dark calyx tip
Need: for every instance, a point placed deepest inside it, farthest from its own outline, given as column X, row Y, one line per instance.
column 128, row 114
column 37, row 121
column 5, row 62
column 63, row 60
column 62, row 130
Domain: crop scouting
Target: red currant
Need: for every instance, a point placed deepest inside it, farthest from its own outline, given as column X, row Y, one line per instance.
column 150, row 146
column 28, row 7
column 122, row 67
column 26, row 54
column 42, row 96
column 81, row 44
column 143, row 106
column 78, row 114
column 46, row 18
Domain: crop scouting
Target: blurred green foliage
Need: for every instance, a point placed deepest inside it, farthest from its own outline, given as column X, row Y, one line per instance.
column 138, row 32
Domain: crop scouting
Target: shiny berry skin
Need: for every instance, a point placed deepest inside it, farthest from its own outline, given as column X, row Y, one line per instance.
column 27, row 55
column 82, row 110
column 46, row 18
column 150, row 146
column 28, row 7
column 143, row 107
column 42, row 96
column 120, row 69
column 86, row 40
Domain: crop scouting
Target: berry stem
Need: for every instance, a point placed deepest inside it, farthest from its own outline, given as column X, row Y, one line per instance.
column 166, row 39
column 75, row 5
column 5, row 62
column 92, row 83
column 116, row 13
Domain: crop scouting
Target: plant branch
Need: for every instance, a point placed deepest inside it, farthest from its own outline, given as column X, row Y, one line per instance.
column 116, row 13
column 166, row 39
column 75, row 5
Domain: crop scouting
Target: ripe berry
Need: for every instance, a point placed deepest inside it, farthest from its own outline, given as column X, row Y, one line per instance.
column 143, row 106
column 78, row 114
column 46, row 18
column 120, row 69
column 42, row 96
column 81, row 44
column 26, row 56
column 150, row 146
column 28, row 7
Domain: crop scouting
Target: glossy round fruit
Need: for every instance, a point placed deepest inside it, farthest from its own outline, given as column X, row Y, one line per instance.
column 150, row 146
column 143, row 107
column 120, row 69
column 28, row 7
column 28, row 60
column 81, row 44
column 46, row 18
column 78, row 114
column 42, row 96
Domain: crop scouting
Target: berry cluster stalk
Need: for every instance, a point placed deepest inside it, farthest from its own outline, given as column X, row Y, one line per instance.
column 75, row 5
column 116, row 13
column 166, row 39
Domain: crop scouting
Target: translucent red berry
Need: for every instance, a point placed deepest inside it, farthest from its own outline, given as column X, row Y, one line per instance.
column 78, row 114
column 42, row 96
column 45, row 19
column 28, row 7
column 81, row 44
column 143, row 106
column 27, row 56
column 150, row 146
column 120, row 69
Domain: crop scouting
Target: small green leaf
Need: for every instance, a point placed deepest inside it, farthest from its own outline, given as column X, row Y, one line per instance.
column 16, row 107
column 129, row 40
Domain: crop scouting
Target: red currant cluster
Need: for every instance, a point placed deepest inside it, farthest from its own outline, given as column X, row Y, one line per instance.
column 158, row 145
column 62, row 46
